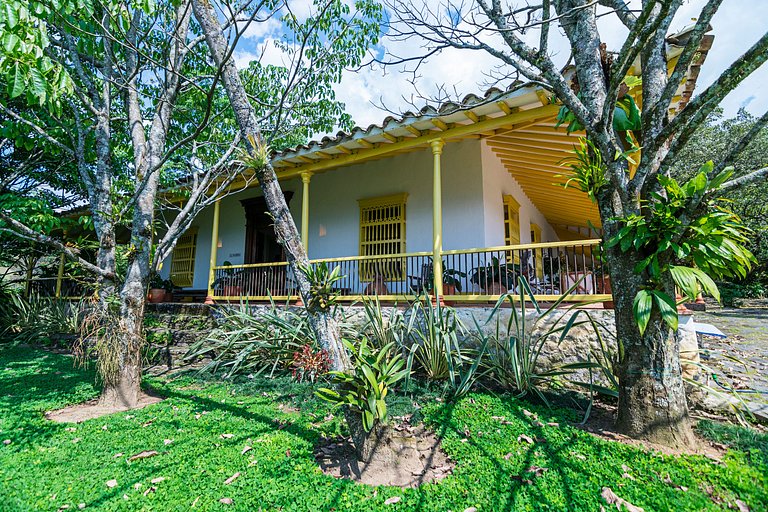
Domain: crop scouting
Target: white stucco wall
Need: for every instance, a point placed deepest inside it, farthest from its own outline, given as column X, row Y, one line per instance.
column 474, row 181
column 231, row 232
column 498, row 182
column 334, row 209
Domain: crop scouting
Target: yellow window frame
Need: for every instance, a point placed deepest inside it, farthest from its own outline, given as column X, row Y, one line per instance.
column 512, row 226
column 183, row 259
column 537, row 253
column 382, row 233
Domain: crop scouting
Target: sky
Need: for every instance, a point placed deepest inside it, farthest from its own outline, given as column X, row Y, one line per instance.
column 371, row 93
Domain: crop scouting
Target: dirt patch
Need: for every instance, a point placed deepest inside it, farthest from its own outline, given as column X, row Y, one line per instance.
column 601, row 424
column 88, row 410
column 413, row 457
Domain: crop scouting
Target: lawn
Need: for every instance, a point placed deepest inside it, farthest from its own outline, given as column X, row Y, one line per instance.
column 47, row 466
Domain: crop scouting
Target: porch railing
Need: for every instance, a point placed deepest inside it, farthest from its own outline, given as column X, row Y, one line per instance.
column 70, row 288
column 470, row 275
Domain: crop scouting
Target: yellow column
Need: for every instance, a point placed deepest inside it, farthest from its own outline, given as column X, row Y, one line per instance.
column 305, row 177
column 214, row 250
column 60, row 276
column 437, row 218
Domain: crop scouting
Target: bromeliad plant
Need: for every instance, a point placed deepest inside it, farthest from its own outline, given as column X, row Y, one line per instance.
column 365, row 388
column 689, row 249
column 321, row 282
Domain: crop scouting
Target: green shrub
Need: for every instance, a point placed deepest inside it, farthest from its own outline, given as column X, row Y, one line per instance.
column 37, row 319
column 365, row 389
column 254, row 344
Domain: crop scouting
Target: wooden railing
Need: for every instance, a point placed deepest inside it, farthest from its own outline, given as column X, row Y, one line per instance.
column 469, row 275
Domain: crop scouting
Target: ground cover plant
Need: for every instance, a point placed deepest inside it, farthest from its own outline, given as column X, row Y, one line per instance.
column 250, row 442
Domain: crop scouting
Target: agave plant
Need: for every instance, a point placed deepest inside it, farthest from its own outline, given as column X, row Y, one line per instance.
column 254, row 344
column 513, row 351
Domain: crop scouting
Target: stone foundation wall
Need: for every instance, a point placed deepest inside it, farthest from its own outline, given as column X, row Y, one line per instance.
column 186, row 323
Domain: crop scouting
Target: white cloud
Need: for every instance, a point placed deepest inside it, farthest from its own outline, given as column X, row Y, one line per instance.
column 736, row 26
column 733, row 26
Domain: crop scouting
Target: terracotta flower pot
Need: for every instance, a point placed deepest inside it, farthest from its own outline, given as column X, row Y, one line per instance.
column 377, row 287
column 495, row 289
column 156, row 295
column 605, row 287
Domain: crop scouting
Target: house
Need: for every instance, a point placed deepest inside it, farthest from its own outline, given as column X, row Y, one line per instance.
column 474, row 187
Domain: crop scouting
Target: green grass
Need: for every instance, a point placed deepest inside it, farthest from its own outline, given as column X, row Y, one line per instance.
column 47, row 465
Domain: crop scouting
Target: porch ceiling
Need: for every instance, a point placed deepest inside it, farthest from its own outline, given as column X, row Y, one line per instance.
column 534, row 155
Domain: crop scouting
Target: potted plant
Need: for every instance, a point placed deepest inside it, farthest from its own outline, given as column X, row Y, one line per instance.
column 494, row 278
column 230, row 282
column 168, row 286
column 451, row 279
column 156, row 289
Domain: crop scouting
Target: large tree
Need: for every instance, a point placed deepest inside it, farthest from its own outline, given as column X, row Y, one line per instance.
column 652, row 402
column 129, row 93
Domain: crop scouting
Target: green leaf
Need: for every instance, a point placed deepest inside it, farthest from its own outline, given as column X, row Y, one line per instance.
column 667, row 306
column 19, row 81
column 642, row 309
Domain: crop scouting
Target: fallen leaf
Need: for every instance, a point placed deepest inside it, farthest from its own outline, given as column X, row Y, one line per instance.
column 742, row 506
column 470, row 509
column 166, row 442
column 537, row 470
column 117, row 455
column 226, row 501
column 64, row 507
column 147, row 423
column 392, row 500
column 157, row 480
column 143, row 455
column 7, row 442
column 125, row 497
column 81, row 506
column 529, row 414
column 537, row 423
column 195, row 502
column 227, row 436
column 523, row 437
column 611, row 498
column 111, row 483
column 232, row 478
column 507, row 456
column 288, row 453
column 104, row 427
column 246, row 449
column 150, row 489
column 77, row 440
column 70, row 429
column 553, row 424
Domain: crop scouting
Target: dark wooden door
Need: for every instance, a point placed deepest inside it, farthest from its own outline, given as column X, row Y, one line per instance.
column 261, row 245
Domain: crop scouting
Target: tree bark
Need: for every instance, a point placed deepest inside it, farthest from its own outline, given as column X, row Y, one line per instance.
column 652, row 400
column 322, row 322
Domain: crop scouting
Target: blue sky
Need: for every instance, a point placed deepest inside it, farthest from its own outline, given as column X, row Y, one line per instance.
column 736, row 26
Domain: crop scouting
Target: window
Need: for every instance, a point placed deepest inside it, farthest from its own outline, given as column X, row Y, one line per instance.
column 382, row 232
column 183, row 259
column 512, row 225
column 537, row 253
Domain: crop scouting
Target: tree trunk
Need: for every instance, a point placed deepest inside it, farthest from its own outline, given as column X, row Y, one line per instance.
column 369, row 444
column 652, row 401
column 322, row 322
